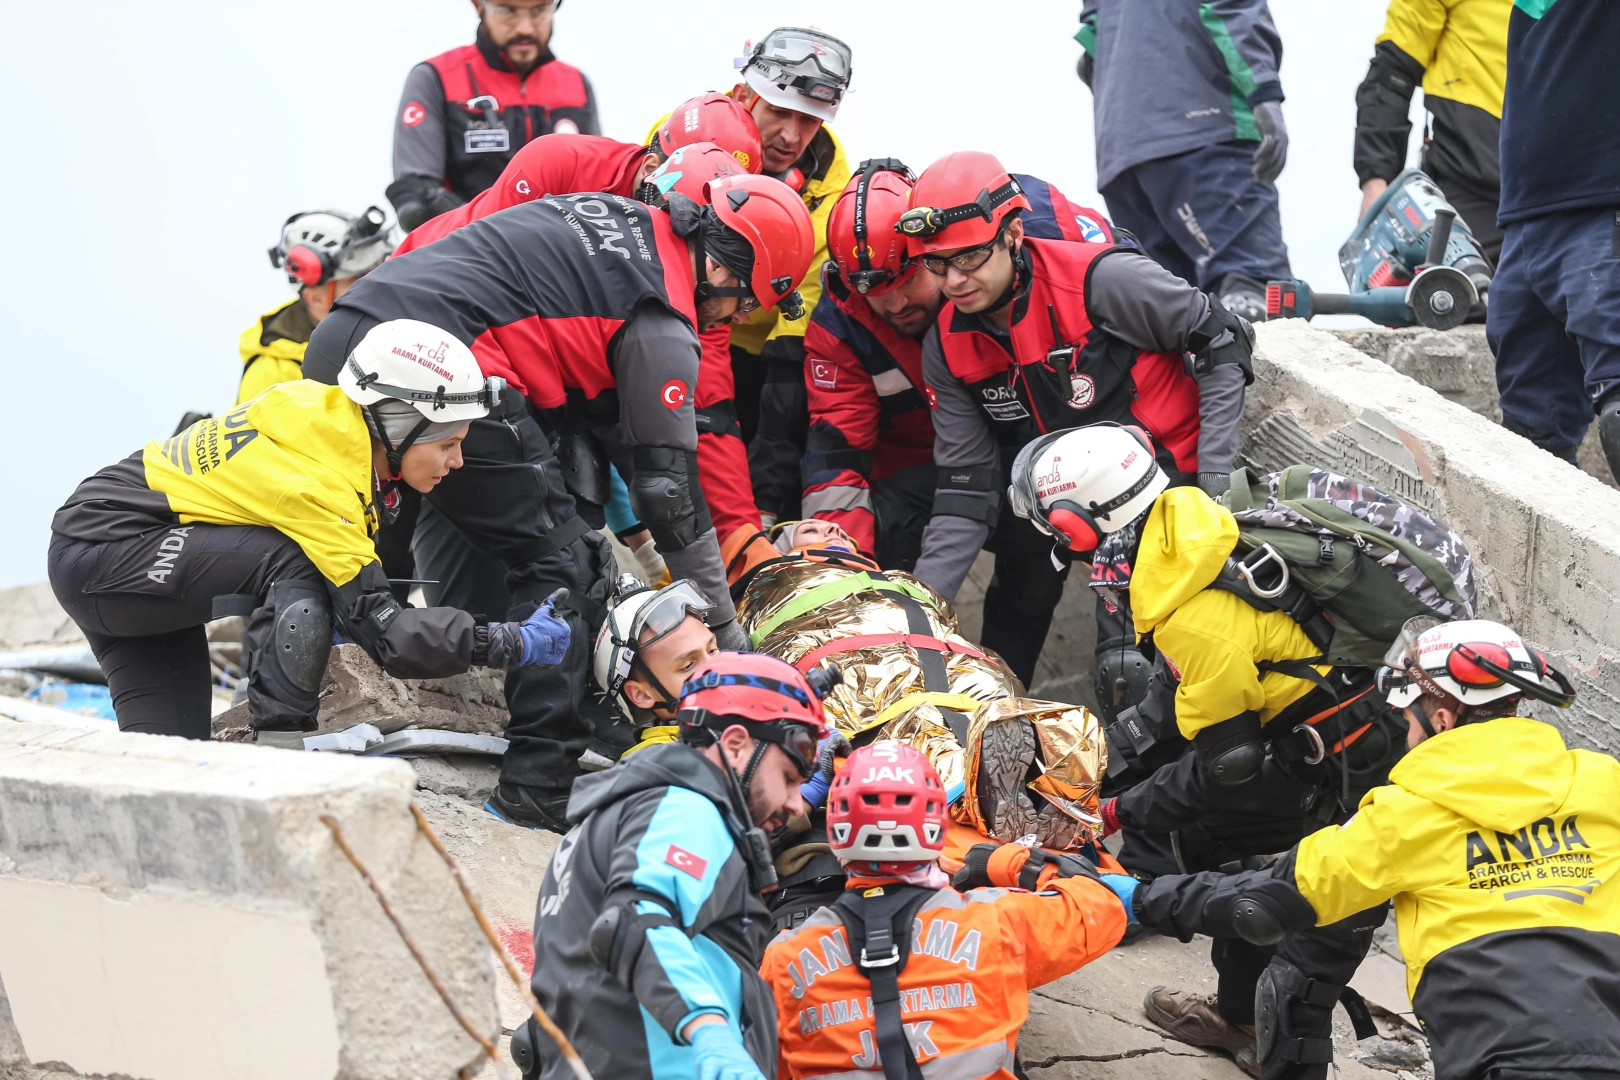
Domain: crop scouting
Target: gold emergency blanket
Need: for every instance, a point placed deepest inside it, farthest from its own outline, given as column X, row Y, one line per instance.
column 809, row 612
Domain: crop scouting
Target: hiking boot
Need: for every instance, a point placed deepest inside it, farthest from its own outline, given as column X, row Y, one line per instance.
column 530, row 807
column 1193, row 1019
column 1008, row 753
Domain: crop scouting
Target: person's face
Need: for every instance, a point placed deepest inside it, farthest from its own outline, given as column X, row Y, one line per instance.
column 423, row 464
column 318, row 299
column 912, row 306
column 814, row 532
column 521, row 28
column 1440, row 718
column 719, row 310
column 773, row 794
column 784, row 135
column 670, row 659
column 975, row 290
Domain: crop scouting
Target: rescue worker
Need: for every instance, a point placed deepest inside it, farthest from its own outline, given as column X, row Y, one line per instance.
column 513, row 287
column 270, row 509
column 902, row 973
column 323, row 252
column 869, row 457
column 1251, row 783
column 464, row 113
column 1501, row 850
column 1188, row 153
column 793, row 81
column 652, row 640
column 561, row 163
column 1458, row 53
column 1554, row 316
column 650, row 929
column 1038, row 335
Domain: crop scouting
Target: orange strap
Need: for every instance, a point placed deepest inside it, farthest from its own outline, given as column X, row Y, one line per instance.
column 1350, row 739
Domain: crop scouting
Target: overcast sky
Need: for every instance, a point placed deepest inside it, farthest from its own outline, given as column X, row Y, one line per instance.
column 157, row 147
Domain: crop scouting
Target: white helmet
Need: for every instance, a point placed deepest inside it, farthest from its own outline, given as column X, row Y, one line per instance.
column 635, row 609
column 1466, row 664
column 1081, row 484
column 798, row 68
column 425, row 367
column 319, row 245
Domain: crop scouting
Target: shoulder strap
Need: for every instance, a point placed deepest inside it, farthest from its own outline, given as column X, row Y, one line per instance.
column 1293, row 601
column 879, row 929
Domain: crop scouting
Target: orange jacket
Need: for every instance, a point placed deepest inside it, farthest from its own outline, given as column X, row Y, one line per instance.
column 965, row 987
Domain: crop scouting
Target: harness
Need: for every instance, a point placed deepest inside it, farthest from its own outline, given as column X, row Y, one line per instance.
column 878, row 921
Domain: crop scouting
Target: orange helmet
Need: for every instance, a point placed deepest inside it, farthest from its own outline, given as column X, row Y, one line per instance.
column 960, row 201
column 869, row 253
column 690, row 168
column 772, row 218
column 712, row 118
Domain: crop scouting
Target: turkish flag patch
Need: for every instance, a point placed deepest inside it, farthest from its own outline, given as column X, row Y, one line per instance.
column 824, row 374
column 412, row 114
column 686, row 862
column 673, row 395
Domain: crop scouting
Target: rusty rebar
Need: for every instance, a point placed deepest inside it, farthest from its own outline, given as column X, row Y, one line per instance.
column 410, row 943
column 547, row 1025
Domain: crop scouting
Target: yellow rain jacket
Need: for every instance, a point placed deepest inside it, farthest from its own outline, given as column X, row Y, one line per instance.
column 297, row 459
column 1502, row 850
column 1211, row 639
column 273, row 349
column 1462, row 45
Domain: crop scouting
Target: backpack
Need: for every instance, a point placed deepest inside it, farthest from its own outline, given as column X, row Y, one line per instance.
column 1348, row 562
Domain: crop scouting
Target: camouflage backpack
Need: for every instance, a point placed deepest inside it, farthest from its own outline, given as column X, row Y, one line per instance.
column 1346, row 561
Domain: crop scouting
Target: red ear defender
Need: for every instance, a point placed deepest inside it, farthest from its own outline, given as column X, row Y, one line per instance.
column 1075, row 524
column 307, row 265
column 1141, row 436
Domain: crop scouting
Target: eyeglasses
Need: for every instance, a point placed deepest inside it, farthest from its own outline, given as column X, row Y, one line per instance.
column 747, row 305
column 966, row 261
column 514, row 12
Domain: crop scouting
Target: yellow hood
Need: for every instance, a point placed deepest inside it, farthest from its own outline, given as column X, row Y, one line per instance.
column 1499, row 773
column 1185, row 542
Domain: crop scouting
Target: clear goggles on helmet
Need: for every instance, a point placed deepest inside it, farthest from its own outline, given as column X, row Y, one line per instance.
column 815, row 64
column 664, row 612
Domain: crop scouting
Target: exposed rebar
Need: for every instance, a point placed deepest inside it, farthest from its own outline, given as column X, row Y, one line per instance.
column 575, row 1062
column 410, row 943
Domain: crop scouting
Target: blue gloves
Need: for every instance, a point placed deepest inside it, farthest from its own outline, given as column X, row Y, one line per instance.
column 718, row 1054
column 545, row 637
column 1124, row 887
column 814, row 790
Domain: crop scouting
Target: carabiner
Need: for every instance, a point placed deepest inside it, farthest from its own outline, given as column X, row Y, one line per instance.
column 1246, row 570
column 1316, row 737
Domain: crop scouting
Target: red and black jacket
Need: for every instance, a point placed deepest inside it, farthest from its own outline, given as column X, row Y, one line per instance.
column 539, row 291
column 551, row 97
column 1054, row 369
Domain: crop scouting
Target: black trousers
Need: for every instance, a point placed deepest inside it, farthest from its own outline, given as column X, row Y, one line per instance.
column 902, row 504
column 145, row 626
column 1023, row 593
column 505, row 505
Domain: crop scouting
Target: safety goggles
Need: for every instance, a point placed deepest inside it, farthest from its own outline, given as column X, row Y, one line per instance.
column 666, row 611
column 511, row 13
column 925, row 221
column 810, row 62
column 966, row 261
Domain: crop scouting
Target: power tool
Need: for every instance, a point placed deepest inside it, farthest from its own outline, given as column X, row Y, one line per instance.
column 1409, row 261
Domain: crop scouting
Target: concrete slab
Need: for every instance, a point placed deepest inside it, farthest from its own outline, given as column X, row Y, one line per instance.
column 159, row 878
column 30, row 615
column 1546, row 536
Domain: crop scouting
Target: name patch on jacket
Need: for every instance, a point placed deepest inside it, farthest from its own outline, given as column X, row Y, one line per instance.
column 1002, row 403
column 487, row 140
column 1539, row 860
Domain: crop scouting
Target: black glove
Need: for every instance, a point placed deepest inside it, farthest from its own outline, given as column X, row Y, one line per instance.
column 1215, row 484
column 975, row 873
column 1086, row 68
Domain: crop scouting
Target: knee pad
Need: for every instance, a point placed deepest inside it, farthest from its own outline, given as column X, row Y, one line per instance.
column 1232, row 751
column 524, row 1053
column 1123, row 674
column 1608, row 425
column 1293, row 1020
column 665, row 495
column 292, row 635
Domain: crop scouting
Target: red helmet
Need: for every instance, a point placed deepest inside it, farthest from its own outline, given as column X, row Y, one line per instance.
column 712, row 118
column 690, row 168
column 770, row 697
column 960, row 201
column 861, row 237
column 886, row 805
column 772, row 218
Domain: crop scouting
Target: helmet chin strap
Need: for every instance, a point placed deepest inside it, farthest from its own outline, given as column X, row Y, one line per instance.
column 1422, row 716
